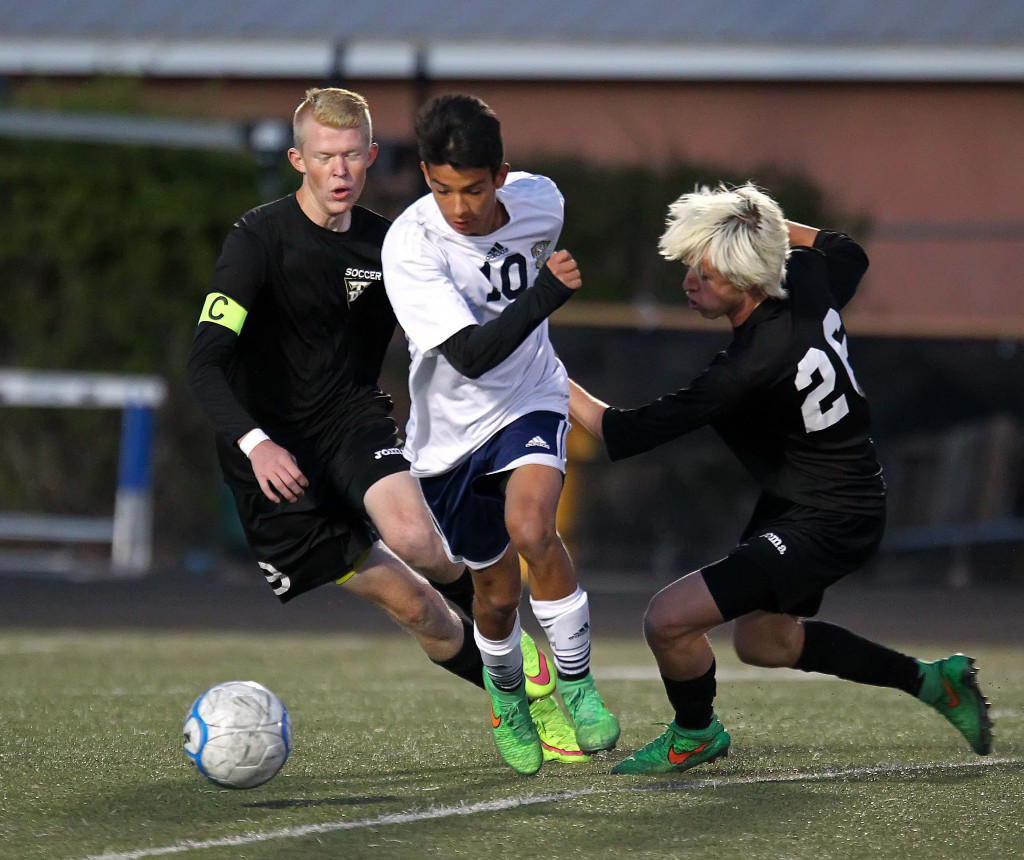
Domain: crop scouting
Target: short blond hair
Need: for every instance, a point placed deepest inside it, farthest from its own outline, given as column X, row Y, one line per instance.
column 740, row 231
column 333, row 107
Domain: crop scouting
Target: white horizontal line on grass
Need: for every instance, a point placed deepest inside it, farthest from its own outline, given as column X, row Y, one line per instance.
column 412, row 816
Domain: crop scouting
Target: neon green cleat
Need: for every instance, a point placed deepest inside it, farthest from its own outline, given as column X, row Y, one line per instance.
column 557, row 739
column 951, row 687
column 596, row 726
column 678, row 749
column 540, row 680
column 514, row 732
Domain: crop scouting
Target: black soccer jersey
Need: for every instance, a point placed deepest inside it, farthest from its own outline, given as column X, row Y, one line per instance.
column 783, row 395
column 294, row 330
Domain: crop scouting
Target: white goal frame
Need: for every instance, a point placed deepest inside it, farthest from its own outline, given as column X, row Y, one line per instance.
column 130, row 530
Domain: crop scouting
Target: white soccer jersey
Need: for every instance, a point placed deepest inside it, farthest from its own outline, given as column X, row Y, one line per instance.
column 439, row 282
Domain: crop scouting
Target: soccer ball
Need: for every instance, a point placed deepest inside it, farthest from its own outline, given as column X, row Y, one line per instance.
column 238, row 734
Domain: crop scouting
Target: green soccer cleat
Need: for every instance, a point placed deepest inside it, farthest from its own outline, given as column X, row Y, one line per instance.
column 596, row 726
column 678, row 749
column 540, row 680
column 514, row 732
column 557, row 738
column 951, row 687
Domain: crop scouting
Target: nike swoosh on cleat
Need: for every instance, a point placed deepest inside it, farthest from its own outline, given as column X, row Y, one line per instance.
column 679, row 758
column 495, row 721
column 952, row 699
column 560, row 750
column 543, row 677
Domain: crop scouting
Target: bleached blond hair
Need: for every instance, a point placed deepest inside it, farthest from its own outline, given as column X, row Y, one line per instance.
column 740, row 231
column 333, row 107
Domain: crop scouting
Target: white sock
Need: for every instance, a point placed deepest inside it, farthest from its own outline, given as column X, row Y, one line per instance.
column 567, row 625
column 503, row 658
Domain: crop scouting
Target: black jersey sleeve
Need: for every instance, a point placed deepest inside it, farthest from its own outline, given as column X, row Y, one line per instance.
column 633, row 431
column 846, row 263
column 474, row 350
column 207, row 381
column 239, row 275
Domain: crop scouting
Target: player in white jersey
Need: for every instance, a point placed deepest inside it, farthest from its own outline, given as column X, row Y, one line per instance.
column 472, row 278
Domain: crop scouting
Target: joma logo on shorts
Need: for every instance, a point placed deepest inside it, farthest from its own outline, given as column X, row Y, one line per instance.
column 775, row 541
column 386, row 452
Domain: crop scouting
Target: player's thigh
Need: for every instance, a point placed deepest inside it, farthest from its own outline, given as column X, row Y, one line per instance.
column 400, row 514
column 385, row 581
column 302, row 545
column 531, row 501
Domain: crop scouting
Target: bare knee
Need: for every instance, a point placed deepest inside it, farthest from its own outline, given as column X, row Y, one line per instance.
column 663, row 627
column 499, row 602
column 532, row 534
column 423, row 611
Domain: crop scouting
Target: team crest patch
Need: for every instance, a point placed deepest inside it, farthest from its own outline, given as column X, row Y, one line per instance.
column 540, row 252
column 355, row 288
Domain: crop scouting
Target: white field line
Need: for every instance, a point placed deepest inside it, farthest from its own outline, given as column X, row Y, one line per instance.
column 413, row 816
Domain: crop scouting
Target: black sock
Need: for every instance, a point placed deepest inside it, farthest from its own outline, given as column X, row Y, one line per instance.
column 694, row 700
column 467, row 663
column 460, row 592
column 836, row 651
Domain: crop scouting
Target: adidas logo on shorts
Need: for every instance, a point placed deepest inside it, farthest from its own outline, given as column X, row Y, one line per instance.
column 537, row 442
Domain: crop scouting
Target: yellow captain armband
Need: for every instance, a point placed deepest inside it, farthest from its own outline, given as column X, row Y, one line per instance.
column 224, row 311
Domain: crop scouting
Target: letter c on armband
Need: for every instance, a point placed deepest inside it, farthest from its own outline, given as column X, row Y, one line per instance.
column 223, row 311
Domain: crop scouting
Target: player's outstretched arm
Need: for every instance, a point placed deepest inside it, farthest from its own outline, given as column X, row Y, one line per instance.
column 474, row 350
column 586, row 409
column 276, row 469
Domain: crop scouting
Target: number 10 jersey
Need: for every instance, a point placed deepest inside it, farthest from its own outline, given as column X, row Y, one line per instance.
column 440, row 281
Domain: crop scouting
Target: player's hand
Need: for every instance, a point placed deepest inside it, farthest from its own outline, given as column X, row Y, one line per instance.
column 276, row 469
column 564, row 267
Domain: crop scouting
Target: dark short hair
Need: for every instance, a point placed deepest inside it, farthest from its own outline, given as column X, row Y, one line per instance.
column 461, row 131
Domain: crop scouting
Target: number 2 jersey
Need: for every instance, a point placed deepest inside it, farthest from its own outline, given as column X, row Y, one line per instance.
column 441, row 281
column 783, row 395
column 293, row 333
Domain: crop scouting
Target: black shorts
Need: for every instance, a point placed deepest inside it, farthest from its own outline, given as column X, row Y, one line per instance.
column 788, row 555
column 323, row 536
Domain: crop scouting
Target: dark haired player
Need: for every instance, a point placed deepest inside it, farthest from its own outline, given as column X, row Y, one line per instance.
column 472, row 279
column 285, row 364
column 783, row 396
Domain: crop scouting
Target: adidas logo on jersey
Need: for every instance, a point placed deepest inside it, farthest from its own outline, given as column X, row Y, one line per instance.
column 497, row 250
column 537, row 442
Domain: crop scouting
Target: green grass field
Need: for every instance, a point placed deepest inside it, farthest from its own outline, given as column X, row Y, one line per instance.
column 393, row 758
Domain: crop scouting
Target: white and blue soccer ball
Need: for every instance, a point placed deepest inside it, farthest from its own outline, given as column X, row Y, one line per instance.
column 238, row 734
